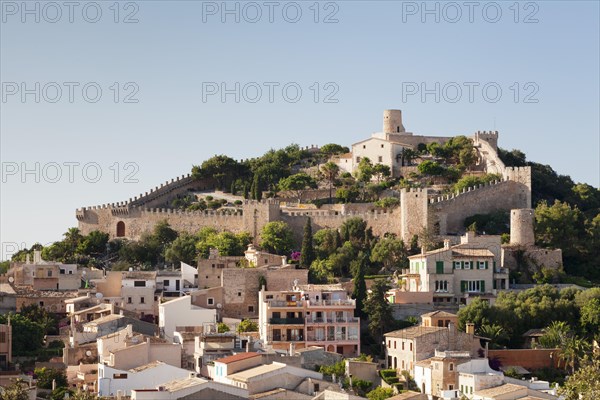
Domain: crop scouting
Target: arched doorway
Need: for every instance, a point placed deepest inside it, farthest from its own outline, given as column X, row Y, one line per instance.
column 120, row 229
column 331, row 348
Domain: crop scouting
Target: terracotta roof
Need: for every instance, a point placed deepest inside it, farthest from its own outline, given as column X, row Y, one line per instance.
column 439, row 313
column 534, row 333
column 500, row 390
column 415, row 331
column 470, row 252
column 237, row 357
column 408, row 396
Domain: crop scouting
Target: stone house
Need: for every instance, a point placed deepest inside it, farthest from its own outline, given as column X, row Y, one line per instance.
column 439, row 373
column 5, row 346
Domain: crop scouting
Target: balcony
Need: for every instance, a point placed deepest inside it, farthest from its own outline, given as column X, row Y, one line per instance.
column 287, row 338
column 332, row 303
column 286, row 321
column 501, row 271
column 283, row 303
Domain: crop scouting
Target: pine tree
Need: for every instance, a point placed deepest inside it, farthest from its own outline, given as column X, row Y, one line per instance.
column 307, row 254
column 246, row 190
column 233, row 188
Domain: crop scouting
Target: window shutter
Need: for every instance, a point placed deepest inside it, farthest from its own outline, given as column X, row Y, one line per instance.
column 495, row 284
column 463, row 285
column 486, row 265
column 482, row 286
column 494, row 265
column 462, row 265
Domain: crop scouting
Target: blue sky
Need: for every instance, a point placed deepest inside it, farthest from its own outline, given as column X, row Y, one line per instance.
column 546, row 65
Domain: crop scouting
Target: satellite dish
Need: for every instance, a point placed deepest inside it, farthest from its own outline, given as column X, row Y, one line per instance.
column 99, row 295
column 83, row 273
column 11, row 279
column 130, row 269
column 219, row 306
column 88, row 353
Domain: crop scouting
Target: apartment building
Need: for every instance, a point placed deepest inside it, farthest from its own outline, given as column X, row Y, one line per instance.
column 310, row 315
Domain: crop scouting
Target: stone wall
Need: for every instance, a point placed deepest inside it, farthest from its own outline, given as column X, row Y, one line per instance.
column 240, row 287
column 451, row 210
column 527, row 358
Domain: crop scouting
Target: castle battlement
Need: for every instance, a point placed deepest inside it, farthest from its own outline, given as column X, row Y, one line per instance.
column 454, row 195
column 205, row 213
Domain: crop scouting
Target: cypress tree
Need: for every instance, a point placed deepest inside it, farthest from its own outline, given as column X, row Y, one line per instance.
column 246, row 190
column 233, row 188
column 307, row 254
column 358, row 268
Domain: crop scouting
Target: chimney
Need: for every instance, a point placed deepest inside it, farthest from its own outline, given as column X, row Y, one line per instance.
column 446, row 243
column 37, row 257
column 292, row 348
column 27, row 259
column 470, row 328
column 423, row 250
column 283, row 260
column 248, row 346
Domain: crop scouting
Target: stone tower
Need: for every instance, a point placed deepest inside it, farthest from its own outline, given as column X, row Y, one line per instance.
column 392, row 121
column 521, row 227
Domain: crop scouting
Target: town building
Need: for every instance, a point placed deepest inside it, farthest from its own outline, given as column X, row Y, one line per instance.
column 181, row 312
column 5, row 346
column 309, row 315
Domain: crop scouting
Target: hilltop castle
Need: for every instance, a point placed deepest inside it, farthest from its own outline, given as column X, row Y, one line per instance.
column 419, row 208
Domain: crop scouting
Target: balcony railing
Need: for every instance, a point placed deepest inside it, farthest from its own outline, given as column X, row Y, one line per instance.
column 287, row 338
column 283, row 303
column 342, row 320
column 329, row 303
column 286, row 321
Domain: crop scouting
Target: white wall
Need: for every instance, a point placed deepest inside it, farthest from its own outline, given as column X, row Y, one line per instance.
column 147, row 379
column 180, row 312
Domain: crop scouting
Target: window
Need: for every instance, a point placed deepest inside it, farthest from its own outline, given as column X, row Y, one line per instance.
column 62, row 271
column 382, row 146
column 119, row 376
column 2, row 337
column 357, row 159
column 317, row 387
column 142, row 300
column 394, row 344
column 439, row 267
column 467, row 264
column 456, row 264
column 129, row 301
column 49, row 274
column 451, row 367
column 410, row 346
column 364, row 146
column 41, row 304
column 402, row 345
column 210, row 301
column 269, row 297
column 166, row 282
column 139, row 283
column 250, row 308
column 239, row 294
column 380, row 158
column 472, row 286
column 450, row 387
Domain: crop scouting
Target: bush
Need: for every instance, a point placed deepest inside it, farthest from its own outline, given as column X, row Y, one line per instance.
column 222, row 327
column 387, row 202
column 247, row 326
column 237, row 202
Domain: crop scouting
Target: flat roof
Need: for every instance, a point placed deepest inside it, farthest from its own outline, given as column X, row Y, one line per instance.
column 144, row 367
column 250, row 373
column 101, row 320
column 237, row 357
column 439, row 313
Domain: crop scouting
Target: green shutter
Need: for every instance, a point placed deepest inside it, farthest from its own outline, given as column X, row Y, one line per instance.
column 486, row 265
column 463, row 286
column 439, row 267
column 462, row 265
column 494, row 281
column 494, row 265
column 482, row 286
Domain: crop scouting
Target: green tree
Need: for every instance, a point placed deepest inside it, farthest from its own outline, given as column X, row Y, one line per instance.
column 220, row 168
column 495, row 333
column 45, row 376
column 326, row 242
column 332, row 149
column 584, row 383
column 359, row 268
column 379, row 310
column 429, row 167
column 222, row 327
column 380, row 393
column 15, row 391
column 573, row 350
column 354, row 230
column 391, row 252
column 28, row 335
column 555, row 335
column 298, row 184
column 247, row 326
column 590, row 316
column 347, row 195
column 477, row 312
column 182, row 249
column 329, row 172
column 307, row 253
column 381, row 171
column 277, row 238
column 467, row 157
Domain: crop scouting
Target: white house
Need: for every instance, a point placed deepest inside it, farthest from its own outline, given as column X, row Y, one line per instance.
column 476, row 375
column 198, row 387
column 112, row 381
column 181, row 312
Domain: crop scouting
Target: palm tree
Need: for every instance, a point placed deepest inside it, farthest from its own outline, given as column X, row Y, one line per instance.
column 330, row 172
column 495, row 333
column 555, row 334
column 572, row 350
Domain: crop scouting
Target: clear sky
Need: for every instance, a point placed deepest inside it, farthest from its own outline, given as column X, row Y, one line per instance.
column 167, row 72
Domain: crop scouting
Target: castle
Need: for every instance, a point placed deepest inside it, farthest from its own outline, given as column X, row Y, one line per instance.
column 419, row 208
